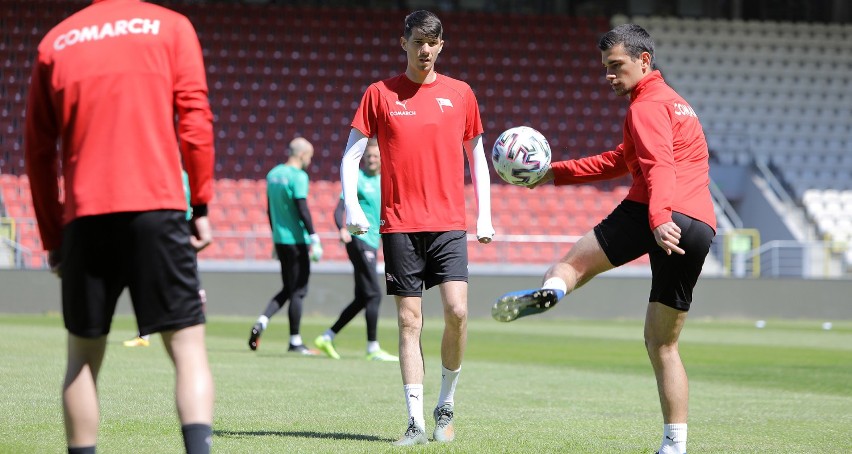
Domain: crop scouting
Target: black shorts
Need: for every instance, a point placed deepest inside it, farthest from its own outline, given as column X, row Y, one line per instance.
column 147, row 252
column 624, row 236
column 363, row 258
column 412, row 259
column 295, row 267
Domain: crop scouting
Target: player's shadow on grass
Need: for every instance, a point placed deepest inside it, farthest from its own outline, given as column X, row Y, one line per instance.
column 296, row 434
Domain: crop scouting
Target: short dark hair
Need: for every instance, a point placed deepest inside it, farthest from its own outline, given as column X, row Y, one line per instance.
column 634, row 38
column 425, row 21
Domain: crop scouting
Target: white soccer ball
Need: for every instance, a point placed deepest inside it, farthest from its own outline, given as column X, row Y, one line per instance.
column 521, row 155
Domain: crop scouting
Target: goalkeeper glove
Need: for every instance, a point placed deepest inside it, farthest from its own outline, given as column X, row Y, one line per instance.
column 316, row 248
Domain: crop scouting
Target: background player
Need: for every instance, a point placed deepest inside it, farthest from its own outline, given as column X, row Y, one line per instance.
column 287, row 187
column 362, row 251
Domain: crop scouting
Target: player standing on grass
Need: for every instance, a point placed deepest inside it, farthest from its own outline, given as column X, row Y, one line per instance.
column 362, row 251
column 107, row 83
column 296, row 242
column 667, row 214
column 422, row 120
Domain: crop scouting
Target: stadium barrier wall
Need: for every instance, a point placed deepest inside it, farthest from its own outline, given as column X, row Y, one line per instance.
column 246, row 293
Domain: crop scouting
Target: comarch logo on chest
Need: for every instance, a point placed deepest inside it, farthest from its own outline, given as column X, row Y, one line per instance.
column 404, row 112
column 135, row 26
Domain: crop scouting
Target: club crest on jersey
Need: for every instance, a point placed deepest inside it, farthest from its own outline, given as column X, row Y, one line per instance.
column 444, row 102
column 405, row 112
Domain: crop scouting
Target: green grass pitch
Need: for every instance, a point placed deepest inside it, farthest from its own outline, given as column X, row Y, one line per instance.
column 532, row 386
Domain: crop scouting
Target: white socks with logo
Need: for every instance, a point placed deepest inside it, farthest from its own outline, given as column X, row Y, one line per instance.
column 674, row 439
column 449, row 378
column 414, row 402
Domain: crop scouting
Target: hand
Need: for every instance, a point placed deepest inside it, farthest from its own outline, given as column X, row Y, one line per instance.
column 54, row 260
column 316, row 248
column 546, row 178
column 356, row 220
column 668, row 236
column 345, row 236
column 484, row 231
column 202, row 233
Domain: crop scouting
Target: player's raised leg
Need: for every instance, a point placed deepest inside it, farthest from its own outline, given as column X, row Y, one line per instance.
column 583, row 261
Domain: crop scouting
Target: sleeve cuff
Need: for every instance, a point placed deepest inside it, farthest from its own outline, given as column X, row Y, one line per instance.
column 199, row 210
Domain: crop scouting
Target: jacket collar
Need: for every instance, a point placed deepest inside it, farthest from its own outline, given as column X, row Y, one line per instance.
column 650, row 80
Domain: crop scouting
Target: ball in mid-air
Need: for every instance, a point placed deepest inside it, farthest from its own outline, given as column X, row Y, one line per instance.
column 521, row 155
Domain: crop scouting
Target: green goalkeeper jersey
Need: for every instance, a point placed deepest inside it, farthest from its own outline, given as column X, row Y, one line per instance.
column 285, row 184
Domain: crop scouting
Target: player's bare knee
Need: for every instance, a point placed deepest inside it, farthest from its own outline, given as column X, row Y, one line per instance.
column 455, row 315
column 658, row 345
column 410, row 322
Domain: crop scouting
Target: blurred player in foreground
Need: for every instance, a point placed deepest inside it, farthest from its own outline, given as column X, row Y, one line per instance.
column 107, row 83
column 423, row 120
column 667, row 214
column 362, row 251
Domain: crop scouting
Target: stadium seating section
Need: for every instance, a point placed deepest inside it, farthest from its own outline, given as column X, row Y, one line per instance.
column 242, row 228
column 775, row 92
column 768, row 90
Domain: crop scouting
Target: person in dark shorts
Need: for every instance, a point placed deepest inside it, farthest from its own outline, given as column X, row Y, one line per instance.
column 145, row 340
column 107, row 84
column 362, row 251
column 425, row 124
column 667, row 214
column 296, row 243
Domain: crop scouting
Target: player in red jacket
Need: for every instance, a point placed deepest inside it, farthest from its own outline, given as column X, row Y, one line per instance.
column 107, row 83
column 667, row 214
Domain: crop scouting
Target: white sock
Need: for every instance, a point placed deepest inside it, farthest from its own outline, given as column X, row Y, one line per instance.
column 146, row 337
column 263, row 320
column 556, row 283
column 296, row 339
column 414, row 402
column 674, row 439
column 373, row 346
column 449, row 378
column 329, row 334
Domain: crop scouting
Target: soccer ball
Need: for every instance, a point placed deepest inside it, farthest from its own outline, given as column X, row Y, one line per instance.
column 521, row 155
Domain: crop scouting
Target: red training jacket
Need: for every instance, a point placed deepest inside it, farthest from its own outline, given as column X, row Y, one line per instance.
column 107, row 83
column 664, row 149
